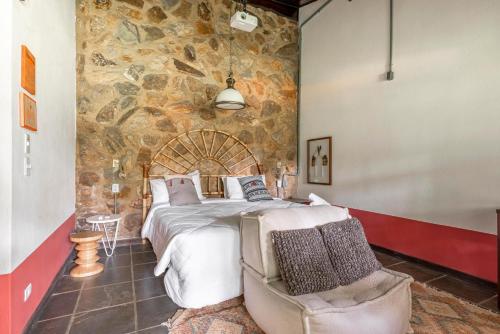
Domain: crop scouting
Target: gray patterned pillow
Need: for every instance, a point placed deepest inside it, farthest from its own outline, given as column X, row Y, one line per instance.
column 303, row 261
column 254, row 188
column 181, row 191
column 350, row 253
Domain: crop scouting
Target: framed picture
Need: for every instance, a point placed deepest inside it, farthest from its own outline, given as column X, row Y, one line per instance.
column 27, row 112
column 28, row 70
column 319, row 161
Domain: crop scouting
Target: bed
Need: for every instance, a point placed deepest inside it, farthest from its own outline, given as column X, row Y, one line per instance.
column 198, row 246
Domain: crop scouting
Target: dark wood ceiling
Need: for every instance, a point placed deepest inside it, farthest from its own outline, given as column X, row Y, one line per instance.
column 288, row 8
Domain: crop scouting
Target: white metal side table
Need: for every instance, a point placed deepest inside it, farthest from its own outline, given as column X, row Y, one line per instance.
column 108, row 224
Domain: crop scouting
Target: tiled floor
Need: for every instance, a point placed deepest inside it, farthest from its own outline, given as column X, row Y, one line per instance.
column 127, row 298
column 477, row 293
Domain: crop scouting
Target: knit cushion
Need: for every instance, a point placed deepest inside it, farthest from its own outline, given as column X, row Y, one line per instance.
column 303, row 261
column 254, row 188
column 349, row 252
column 182, row 191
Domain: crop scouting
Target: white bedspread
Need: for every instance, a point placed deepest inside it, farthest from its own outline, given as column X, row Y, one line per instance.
column 200, row 246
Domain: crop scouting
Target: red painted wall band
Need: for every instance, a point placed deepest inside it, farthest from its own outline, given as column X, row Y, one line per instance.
column 39, row 269
column 467, row 251
column 5, row 318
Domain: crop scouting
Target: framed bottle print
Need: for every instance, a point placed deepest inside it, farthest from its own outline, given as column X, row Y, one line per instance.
column 319, row 161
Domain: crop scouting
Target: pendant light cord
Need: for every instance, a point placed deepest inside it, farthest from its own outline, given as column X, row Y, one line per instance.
column 231, row 44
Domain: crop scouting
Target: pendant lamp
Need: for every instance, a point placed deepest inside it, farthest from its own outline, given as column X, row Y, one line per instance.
column 230, row 98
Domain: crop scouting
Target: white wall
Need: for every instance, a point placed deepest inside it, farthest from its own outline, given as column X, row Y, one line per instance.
column 425, row 146
column 5, row 135
column 44, row 200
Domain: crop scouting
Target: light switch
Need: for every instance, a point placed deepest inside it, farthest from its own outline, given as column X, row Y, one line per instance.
column 27, row 166
column 27, row 143
column 115, row 188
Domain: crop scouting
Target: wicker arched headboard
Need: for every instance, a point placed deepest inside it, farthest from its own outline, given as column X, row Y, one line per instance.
column 214, row 153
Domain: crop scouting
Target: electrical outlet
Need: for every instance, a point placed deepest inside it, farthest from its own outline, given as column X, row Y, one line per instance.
column 27, row 143
column 27, row 166
column 27, row 292
column 115, row 188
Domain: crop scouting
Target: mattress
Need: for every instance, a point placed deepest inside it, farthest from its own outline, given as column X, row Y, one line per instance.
column 199, row 248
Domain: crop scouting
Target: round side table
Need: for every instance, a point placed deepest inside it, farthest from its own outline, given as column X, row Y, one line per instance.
column 106, row 223
column 86, row 263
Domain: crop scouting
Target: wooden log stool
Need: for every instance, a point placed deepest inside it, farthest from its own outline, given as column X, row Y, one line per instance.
column 86, row 263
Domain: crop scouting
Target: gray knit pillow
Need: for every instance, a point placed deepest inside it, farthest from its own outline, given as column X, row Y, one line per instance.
column 349, row 252
column 303, row 261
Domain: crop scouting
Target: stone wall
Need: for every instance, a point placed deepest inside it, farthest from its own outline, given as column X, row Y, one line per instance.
column 149, row 70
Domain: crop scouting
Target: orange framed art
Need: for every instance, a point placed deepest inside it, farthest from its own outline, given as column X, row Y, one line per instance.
column 28, row 70
column 27, row 112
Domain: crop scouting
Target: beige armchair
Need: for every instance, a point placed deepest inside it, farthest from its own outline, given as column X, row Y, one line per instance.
column 377, row 304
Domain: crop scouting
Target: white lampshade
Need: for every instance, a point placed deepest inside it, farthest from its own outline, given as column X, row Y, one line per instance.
column 230, row 98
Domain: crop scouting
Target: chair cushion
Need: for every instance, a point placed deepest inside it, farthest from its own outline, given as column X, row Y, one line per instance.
column 303, row 261
column 372, row 287
column 254, row 189
column 350, row 253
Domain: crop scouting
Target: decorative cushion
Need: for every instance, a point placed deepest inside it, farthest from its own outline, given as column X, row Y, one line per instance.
column 349, row 252
column 159, row 191
column 182, row 192
column 303, row 261
column 254, row 189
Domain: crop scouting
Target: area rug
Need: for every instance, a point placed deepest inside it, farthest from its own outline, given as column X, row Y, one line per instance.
column 434, row 312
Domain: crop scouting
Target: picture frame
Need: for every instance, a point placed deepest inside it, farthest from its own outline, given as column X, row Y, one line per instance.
column 28, row 70
column 319, row 161
column 27, row 112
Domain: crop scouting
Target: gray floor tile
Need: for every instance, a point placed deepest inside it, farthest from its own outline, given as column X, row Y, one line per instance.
column 140, row 248
column 386, row 259
column 68, row 283
column 105, row 296
column 109, row 276
column 113, row 320
column 59, row 305
column 153, row 312
column 417, row 271
column 149, row 287
column 116, row 260
column 491, row 304
column 154, row 330
column 467, row 290
column 145, row 257
column 54, row 326
column 144, row 270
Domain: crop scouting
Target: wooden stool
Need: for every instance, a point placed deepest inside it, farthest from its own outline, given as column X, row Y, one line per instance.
column 86, row 263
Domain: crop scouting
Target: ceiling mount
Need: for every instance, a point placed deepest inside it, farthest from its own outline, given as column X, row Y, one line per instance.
column 289, row 8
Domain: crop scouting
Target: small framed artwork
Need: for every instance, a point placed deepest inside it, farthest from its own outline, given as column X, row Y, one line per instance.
column 28, row 70
column 27, row 112
column 319, row 161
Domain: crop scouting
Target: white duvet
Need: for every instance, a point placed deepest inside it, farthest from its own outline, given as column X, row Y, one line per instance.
column 200, row 247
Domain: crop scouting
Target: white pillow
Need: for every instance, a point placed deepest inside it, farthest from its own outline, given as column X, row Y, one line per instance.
column 194, row 176
column 316, row 200
column 232, row 187
column 159, row 191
